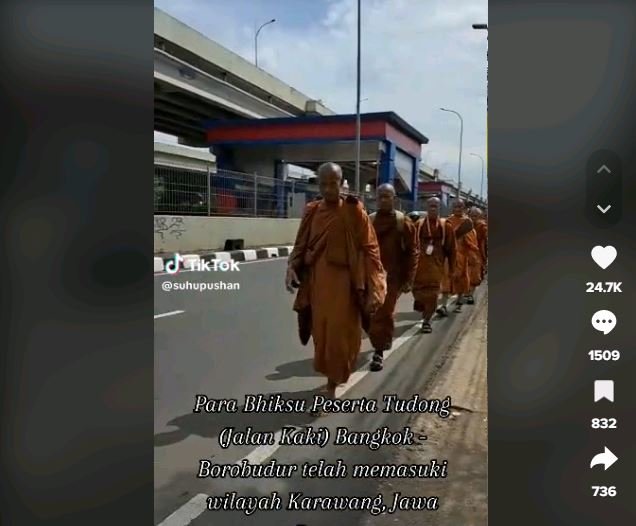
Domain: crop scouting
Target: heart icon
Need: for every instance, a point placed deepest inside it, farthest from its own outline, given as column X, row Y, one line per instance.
column 604, row 256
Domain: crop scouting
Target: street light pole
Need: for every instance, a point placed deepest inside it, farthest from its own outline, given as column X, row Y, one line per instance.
column 461, row 140
column 481, row 190
column 256, row 40
column 358, row 123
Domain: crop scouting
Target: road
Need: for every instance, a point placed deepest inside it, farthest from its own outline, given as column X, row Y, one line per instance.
column 461, row 439
column 226, row 344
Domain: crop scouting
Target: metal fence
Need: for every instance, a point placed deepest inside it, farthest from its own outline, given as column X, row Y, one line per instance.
column 179, row 191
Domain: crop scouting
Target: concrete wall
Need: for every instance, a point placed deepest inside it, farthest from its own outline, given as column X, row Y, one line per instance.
column 193, row 234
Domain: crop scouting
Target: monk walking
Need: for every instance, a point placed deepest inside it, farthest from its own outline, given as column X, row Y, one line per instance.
column 437, row 249
column 399, row 252
column 456, row 277
column 336, row 267
column 477, row 267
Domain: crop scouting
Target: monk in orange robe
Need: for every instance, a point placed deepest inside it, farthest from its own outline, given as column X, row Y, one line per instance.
column 437, row 248
column 336, row 267
column 477, row 268
column 399, row 253
column 456, row 277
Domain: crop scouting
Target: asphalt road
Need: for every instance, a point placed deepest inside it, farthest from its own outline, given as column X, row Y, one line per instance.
column 226, row 344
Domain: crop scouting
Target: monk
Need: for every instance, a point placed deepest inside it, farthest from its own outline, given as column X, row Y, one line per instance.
column 335, row 265
column 437, row 249
column 482, row 238
column 399, row 253
column 456, row 277
column 477, row 267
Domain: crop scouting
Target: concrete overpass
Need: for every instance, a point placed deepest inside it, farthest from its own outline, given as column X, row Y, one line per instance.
column 196, row 79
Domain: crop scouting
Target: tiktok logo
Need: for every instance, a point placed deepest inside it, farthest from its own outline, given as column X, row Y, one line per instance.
column 172, row 266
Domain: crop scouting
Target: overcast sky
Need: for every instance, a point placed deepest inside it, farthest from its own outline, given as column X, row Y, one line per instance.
column 417, row 56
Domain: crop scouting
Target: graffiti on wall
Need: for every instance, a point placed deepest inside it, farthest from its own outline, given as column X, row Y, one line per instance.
column 169, row 226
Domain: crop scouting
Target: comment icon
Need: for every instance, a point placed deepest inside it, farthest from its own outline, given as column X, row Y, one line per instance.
column 604, row 321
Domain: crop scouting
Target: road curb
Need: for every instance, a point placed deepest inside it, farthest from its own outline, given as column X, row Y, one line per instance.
column 239, row 256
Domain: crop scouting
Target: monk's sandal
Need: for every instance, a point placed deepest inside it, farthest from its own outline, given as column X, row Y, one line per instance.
column 377, row 362
column 426, row 327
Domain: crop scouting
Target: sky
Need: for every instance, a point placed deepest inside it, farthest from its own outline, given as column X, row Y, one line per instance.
column 417, row 56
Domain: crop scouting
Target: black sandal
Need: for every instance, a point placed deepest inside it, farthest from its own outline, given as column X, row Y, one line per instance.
column 458, row 308
column 470, row 300
column 377, row 363
column 426, row 328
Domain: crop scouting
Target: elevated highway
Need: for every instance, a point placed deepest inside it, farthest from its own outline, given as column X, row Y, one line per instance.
column 197, row 79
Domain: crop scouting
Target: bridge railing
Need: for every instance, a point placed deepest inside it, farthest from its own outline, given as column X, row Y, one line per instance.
column 179, row 191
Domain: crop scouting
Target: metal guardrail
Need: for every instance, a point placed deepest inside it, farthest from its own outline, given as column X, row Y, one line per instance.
column 180, row 191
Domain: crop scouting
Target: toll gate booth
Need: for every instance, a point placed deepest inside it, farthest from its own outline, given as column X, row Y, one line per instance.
column 390, row 150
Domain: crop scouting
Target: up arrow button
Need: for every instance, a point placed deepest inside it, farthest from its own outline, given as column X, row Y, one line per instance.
column 604, row 168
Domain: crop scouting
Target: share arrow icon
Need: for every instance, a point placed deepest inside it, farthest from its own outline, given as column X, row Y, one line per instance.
column 605, row 459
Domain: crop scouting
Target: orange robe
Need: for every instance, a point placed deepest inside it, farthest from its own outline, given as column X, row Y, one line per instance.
column 399, row 254
column 481, row 228
column 457, row 279
column 337, row 256
column 430, row 268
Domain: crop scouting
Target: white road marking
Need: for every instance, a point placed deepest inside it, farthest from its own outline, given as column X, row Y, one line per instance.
column 158, row 265
column 250, row 255
column 360, row 374
column 171, row 313
column 262, row 453
column 223, row 256
column 187, row 513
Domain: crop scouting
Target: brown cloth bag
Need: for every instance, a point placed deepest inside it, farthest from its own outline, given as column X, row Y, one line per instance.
column 302, row 303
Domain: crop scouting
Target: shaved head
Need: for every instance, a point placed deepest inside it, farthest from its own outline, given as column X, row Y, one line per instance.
column 458, row 208
column 386, row 197
column 475, row 212
column 386, row 187
column 329, row 182
column 432, row 208
column 327, row 169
